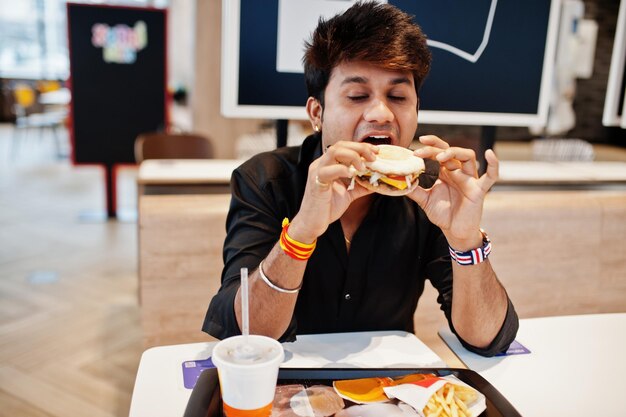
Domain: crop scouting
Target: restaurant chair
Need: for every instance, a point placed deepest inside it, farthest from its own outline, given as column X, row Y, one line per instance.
column 172, row 146
column 30, row 114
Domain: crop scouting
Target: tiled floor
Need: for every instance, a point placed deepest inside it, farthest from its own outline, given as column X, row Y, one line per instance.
column 70, row 338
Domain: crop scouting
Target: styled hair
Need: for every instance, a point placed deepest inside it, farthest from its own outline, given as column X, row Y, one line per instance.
column 371, row 32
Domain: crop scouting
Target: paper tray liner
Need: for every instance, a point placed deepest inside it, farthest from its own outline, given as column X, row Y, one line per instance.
column 205, row 399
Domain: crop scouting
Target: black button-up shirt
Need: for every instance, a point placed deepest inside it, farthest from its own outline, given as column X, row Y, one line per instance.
column 375, row 287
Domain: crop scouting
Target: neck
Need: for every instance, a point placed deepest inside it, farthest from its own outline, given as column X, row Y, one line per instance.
column 354, row 215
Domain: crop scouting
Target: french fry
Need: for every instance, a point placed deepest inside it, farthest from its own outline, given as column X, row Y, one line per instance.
column 450, row 394
column 455, row 410
column 435, row 413
column 446, row 407
column 431, row 405
column 462, row 406
column 450, row 401
column 437, row 396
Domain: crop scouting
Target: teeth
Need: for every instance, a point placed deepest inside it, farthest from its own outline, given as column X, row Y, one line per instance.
column 380, row 137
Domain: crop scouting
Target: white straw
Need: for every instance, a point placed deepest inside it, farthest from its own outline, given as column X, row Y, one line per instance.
column 244, row 304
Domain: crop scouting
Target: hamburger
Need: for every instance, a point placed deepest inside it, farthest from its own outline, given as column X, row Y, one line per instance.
column 394, row 172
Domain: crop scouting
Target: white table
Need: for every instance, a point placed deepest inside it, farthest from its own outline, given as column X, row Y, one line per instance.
column 167, row 176
column 576, row 367
column 159, row 390
column 560, row 172
column 61, row 97
column 176, row 171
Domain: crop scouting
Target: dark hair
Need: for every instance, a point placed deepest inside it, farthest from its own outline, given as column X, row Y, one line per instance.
column 380, row 34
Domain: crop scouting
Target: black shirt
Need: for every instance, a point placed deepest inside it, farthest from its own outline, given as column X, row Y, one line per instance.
column 377, row 287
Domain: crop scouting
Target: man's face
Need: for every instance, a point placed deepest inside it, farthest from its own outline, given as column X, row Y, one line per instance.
column 362, row 101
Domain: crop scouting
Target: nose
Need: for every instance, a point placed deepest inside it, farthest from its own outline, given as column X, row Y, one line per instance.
column 378, row 112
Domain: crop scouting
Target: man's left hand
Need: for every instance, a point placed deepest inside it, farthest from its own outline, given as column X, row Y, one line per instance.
column 455, row 201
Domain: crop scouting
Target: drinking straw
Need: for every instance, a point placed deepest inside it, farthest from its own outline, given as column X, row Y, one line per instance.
column 244, row 305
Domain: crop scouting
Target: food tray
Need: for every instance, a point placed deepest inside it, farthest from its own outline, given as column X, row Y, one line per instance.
column 205, row 398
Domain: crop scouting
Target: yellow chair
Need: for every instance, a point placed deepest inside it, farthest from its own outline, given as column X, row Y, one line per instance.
column 29, row 114
column 47, row 86
column 25, row 96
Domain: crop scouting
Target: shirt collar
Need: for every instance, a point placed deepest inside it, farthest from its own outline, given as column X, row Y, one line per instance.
column 310, row 150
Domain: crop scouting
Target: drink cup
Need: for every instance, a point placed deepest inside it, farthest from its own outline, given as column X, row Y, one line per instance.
column 248, row 374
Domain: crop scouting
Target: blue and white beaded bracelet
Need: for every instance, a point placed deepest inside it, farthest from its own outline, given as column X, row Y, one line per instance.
column 474, row 256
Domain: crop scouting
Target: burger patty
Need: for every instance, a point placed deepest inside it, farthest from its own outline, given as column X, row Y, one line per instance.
column 395, row 181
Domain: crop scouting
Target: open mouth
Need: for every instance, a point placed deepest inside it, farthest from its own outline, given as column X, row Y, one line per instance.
column 378, row 140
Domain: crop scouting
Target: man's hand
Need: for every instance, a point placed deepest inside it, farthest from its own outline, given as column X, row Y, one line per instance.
column 326, row 196
column 455, row 202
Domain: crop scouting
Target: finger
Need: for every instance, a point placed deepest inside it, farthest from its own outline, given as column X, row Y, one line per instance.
column 367, row 150
column 452, row 165
column 329, row 173
column 347, row 157
column 433, row 140
column 314, row 181
column 350, row 153
column 467, row 158
column 349, row 144
column 359, row 191
column 492, row 173
column 428, row 152
column 420, row 196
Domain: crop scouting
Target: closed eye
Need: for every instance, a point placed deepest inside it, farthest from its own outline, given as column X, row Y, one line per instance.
column 358, row 98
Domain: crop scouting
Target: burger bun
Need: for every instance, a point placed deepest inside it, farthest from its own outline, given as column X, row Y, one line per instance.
column 393, row 160
column 396, row 160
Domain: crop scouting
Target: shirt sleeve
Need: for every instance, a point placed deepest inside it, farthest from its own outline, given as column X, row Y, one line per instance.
column 253, row 226
column 503, row 339
column 439, row 272
column 220, row 320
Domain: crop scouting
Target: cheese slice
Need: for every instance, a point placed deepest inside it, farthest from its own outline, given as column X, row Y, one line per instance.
column 401, row 185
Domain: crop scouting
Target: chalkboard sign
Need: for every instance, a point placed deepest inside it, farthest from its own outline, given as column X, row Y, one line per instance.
column 118, row 79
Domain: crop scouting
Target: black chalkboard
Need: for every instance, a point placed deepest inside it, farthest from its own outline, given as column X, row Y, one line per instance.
column 117, row 79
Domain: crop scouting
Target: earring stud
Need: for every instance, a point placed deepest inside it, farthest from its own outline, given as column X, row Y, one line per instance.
column 316, row 128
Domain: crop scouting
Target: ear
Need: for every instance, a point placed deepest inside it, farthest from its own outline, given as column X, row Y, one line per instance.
column 314, row 110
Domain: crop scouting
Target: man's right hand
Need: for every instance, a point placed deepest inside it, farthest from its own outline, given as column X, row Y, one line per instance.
column 326, row 196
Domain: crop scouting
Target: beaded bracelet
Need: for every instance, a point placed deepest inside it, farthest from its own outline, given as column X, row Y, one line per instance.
column 296, row 250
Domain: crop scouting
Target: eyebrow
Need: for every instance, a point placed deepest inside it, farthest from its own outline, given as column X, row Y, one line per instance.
column 356, row 80
column 362, row 80
column 401, row 80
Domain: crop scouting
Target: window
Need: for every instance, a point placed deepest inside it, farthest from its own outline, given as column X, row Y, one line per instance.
column 33, row 37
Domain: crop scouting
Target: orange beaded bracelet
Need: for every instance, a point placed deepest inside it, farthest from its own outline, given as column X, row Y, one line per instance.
column 293, row 248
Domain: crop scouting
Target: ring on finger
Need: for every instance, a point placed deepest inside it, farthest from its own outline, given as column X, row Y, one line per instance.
column 321, row 184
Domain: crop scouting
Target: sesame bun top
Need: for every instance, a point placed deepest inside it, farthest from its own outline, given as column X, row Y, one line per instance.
column 396, row 160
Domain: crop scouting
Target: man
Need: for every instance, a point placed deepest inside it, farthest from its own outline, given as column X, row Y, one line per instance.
column 353, row 260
